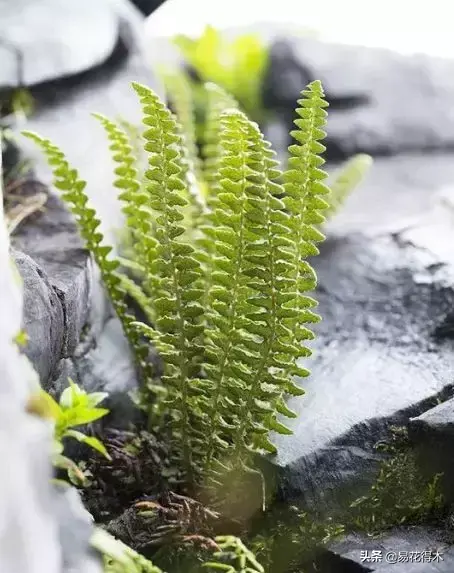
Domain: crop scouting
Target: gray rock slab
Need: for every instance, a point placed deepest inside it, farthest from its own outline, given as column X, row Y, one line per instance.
column 53, row 39
column 401, row 550
column 109, row 362
column 43, row 319
column 432, row 434
column 109, row 367
column 377, row 362
column 51, row 238
column 70, row 322
column 381, row 102
column 395, row 189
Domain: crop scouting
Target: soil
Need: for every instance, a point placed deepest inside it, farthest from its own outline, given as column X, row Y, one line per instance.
column 130, row 496
column 133, row 473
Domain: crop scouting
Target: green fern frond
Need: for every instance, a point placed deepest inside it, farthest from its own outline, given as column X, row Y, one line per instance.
column 304, row 202
column 118, row 557
column 135, row 140
column 218, row 101
column 139, row 218
column 229, row 364
column 233, row 557
column 131, row 288
column 196, row 202
column 271, row 260
column 346, row 180
column 72, row 187
column 179, row 92
column 178, row 273
column 229, row 312
column 67, row 180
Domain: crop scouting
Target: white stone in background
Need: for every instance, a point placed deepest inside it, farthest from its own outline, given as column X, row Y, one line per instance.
column 390, row 24
column 56, row 38
column 28, row 532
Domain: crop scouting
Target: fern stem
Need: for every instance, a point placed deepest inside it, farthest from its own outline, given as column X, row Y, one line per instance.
column 183, row 370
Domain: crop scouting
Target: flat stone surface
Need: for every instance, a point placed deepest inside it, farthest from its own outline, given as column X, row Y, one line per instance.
column 354, row 553
column 108, row 366
column 408, row 98
column 441, row 417
column 432, row 434
column 395, row 189
column 382, row 296
column 53, row 39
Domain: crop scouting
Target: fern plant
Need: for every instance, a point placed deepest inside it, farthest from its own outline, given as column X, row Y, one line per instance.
column 346, row 180
column 229, row 309
column 237, row 66
column 74, row 408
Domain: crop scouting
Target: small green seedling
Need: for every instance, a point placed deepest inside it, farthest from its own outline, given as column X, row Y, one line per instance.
column 75, row 408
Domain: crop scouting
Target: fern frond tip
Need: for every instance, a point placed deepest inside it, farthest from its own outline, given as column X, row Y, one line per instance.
column 32, row 135
column 142, row 90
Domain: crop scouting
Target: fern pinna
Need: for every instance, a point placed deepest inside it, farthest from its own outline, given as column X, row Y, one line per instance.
column 229, row 311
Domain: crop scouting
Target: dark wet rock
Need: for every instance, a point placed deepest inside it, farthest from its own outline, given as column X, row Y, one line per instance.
column 432, row 433
column 401, row 550
column 147, row 7
column 71, row 325
column 63, row 113
column 51, row 238
column 381, row 102
column 52, row 39
column 58, row 283
column 43, row 317
column 377, row 362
